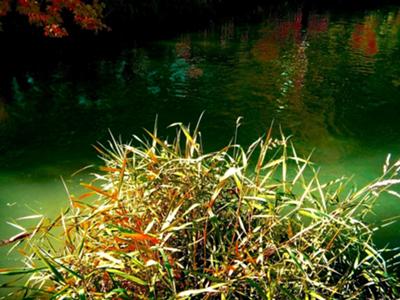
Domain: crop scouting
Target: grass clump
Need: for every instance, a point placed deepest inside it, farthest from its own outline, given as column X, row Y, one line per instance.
column 164, row 220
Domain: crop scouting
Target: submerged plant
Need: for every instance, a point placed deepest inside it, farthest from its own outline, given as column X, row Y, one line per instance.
column 164, row 220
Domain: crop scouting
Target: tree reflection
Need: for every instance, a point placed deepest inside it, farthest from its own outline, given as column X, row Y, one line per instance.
column 310, row 72
column 364, row 38
column 3, row 112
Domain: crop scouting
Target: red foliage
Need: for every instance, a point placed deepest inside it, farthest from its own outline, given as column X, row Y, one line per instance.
column 54, row 30
column 48, row 14
column 317, row 24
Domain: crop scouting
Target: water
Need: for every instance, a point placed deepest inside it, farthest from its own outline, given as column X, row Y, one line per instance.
column 330, row 79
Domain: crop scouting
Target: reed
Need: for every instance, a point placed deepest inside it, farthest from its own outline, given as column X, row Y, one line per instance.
column 164, row 220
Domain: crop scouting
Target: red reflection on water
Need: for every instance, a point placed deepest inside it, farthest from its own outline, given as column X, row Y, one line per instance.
column 372, row 47
column 364, row 38
column 183, row 50
column 266, row 49
column 3, row 112
column 317, row 24
column 297, row 26
column 291, row 27
column 194, row 72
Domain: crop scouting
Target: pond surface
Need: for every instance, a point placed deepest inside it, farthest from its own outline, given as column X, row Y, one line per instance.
column 330, row 79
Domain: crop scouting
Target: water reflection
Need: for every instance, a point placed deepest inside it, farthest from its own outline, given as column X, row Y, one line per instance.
column 288, row 64
column 298, row 69
column 3, row 112
column 329, row 79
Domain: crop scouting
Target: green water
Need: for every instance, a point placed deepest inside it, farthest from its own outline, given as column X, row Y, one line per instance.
column 330, row 79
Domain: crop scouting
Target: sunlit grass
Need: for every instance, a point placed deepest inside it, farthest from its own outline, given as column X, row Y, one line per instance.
column 164, row 220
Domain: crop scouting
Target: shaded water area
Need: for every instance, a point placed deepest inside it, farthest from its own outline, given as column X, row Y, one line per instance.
column 330, row 79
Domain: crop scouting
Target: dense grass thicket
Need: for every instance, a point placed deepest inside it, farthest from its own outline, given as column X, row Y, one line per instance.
column 164, row 220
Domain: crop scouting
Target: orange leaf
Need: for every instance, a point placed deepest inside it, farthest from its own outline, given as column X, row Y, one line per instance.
column 85, row 195
column 237, row 249
column 250, row 259
column 118, row 240
column 22, row 252
column 141, row 237
column 99, row 191
column 109, row 169
column 76, row 204
column 290, row 230
column 51, row 289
